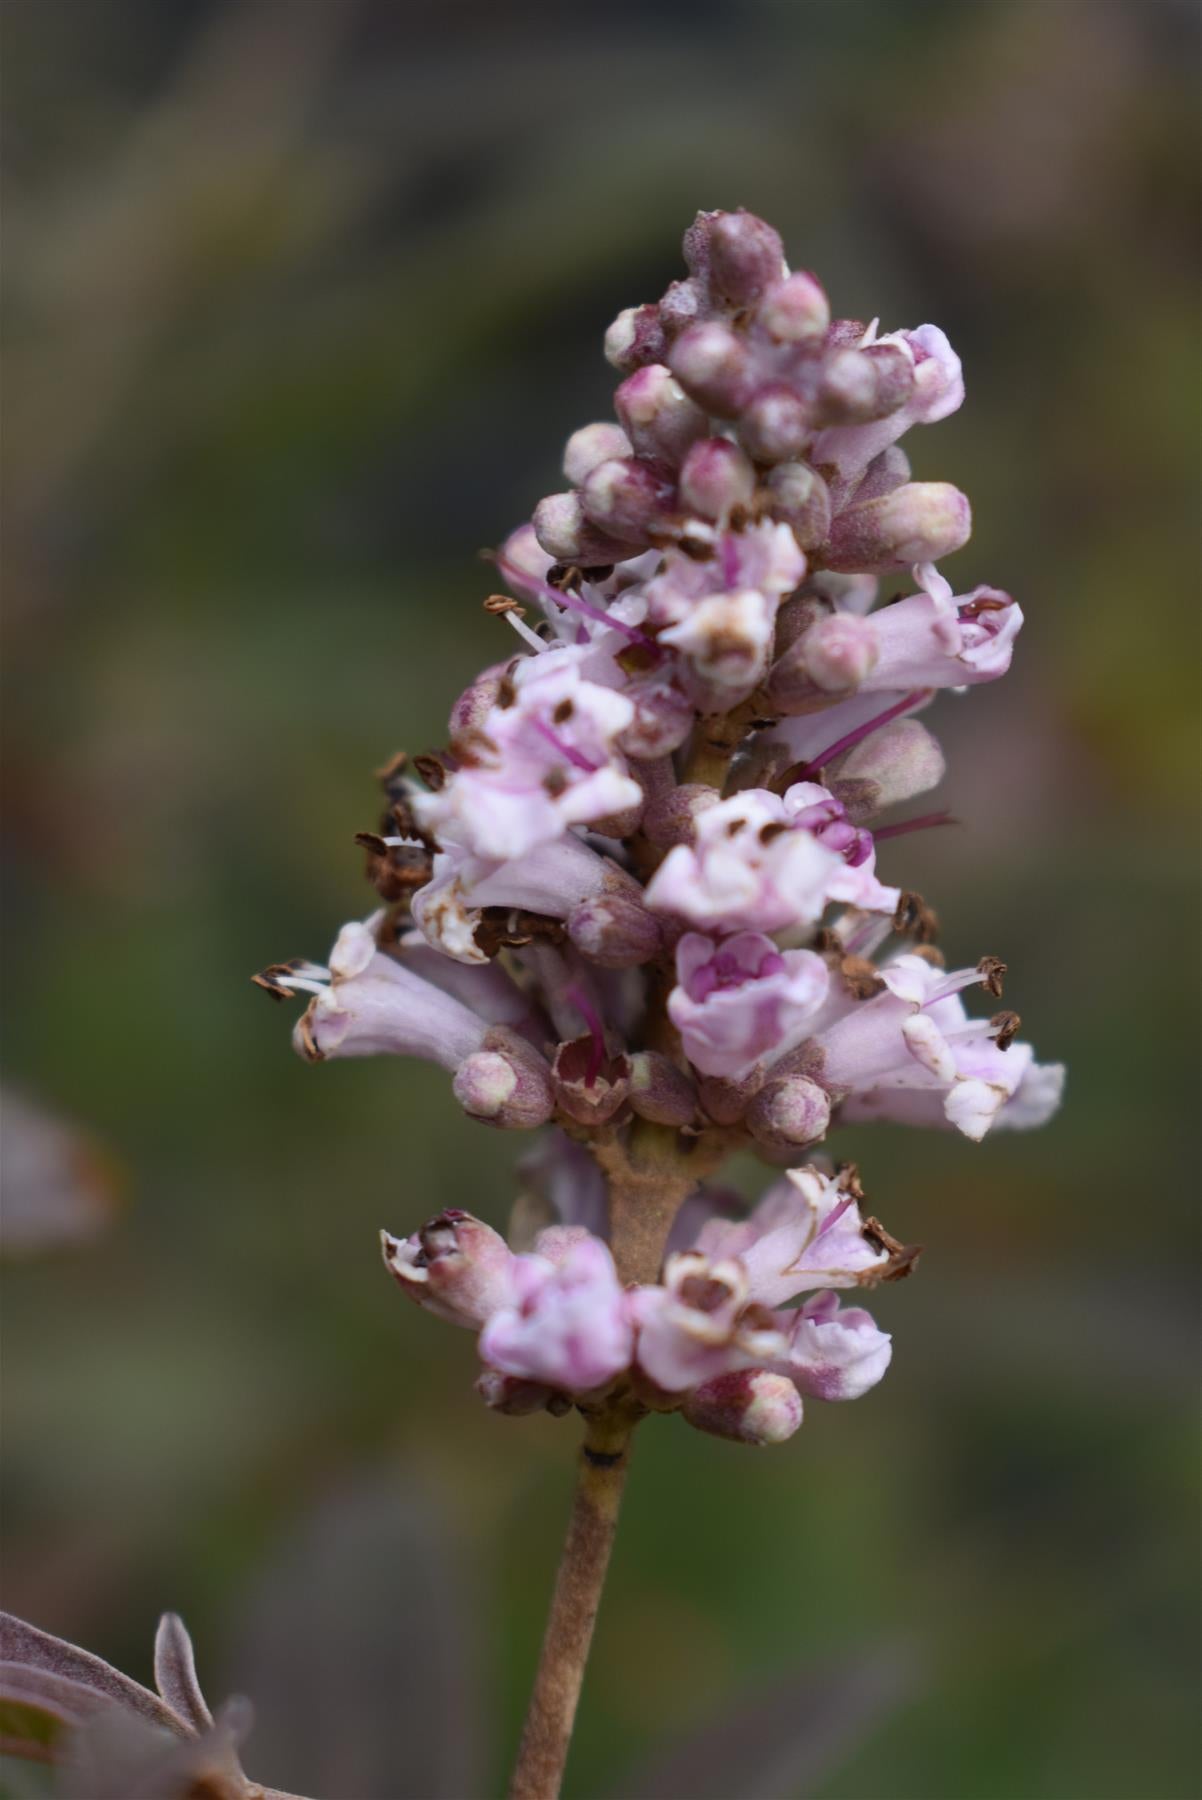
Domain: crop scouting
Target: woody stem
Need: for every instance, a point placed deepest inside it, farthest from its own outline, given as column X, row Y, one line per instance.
column 547, row 1734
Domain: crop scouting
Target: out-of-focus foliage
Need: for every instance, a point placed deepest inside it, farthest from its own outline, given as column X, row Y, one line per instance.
column 302, row 300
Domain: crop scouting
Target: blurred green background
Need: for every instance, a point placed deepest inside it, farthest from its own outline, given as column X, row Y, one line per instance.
column 302, row 301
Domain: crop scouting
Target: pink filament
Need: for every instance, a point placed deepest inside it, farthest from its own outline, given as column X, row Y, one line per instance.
column 571, row 602
column 576, row 996
column 862, row 731
column 925, row 823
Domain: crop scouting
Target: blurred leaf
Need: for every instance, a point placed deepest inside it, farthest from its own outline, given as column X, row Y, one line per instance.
column 357, row 1648
column 175, row 1672
column 33, row 1650
column 60, row 1188
column 785, row 1736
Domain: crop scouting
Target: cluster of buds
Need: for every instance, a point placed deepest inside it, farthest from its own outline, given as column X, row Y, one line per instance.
column 636, row 893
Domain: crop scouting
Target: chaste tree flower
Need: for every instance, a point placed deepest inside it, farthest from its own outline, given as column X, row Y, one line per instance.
column 635, row 896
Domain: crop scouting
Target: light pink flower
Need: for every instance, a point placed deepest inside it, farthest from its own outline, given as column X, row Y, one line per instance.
column 912, row 1054
column 741, row 999
column 806, row 1232
column 544, row 759
column 567, row 1323
column 835, row 1352
column 761, row 862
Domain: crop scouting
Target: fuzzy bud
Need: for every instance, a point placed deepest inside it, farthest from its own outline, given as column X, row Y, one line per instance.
column 748, row 1406
column 710, row 362
column 839, row 651
column 802, row 499
column 897, row 762
column 615, row 930
column 505, row 1083
column 671, row 818
column 659, row 417
column 774, row 425
column 716, row 476
column 626, row 496
column 592, row 445
column 635, row 337
column 859, row 385
column 745, row 256
column 566, row 534
column 918, row 522
column 795, row 311
column 660, row 1091
column 791, row 1112
column 477, row 701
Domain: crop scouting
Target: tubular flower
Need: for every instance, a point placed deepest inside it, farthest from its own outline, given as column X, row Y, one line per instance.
column 634, row 894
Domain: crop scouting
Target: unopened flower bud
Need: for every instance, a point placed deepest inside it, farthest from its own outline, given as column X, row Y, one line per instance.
column 566, row 534
column 748, row 1406
column 839, row 651
column 590, row 1085
column 671, row 818
column 592, row 445
column 626, row 496
column 790, row 1112
column 660, row 1091
column 726, row 1101
column 659, row 417
column 477, row 701
column 716, row 476
column 919, row 522
column 680, row 305
column 615, row 930
column 858, row 385
column 795, row 311
column 897, row 762
column 635, row 337
column 774, row 424
column 710, row 362
column 456, row 1266
column 802, row 498
column 511, row 1395
column 745, row 256
column 506, row 1083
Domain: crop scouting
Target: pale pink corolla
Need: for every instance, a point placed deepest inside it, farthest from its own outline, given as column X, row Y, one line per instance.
column 763, row 862
column 912, row 1054
column 741, row 999
column 938, row 389
column 835, row 1352
column 567, row 1324
column 806, row 1232
column 544, row 759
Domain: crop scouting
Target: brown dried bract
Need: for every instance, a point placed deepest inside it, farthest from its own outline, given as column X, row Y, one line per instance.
column 1006, row 1026
column 903, row 1258
column 431, row 769
column 860, row 976
column 508, row 928
column 914, row 918
column 992, row 969
column 274, row 979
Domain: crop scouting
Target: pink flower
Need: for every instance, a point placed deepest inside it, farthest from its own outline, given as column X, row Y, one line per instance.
column 913, row 1055
column 938, row 389
column 713, row 1311
column 835, row 1352
column 742, row 999
column 763, row 863
column 544, row 759
column 567, row 1323
column 806, row 1232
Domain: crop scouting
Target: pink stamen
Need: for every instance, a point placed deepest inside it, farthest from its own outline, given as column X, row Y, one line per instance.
column 570, row 754
column 571, row 602
column 861, row 732
column 576, row 996
column 926, row 823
